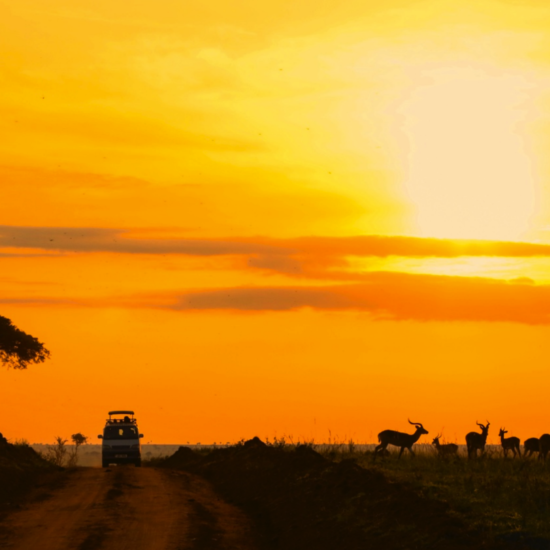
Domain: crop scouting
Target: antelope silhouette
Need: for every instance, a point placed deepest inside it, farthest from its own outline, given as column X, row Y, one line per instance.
column 447, row 449
column 475, row 441
column 544, row 447
column 509, row 443
column 530, row 446
column 399, row 439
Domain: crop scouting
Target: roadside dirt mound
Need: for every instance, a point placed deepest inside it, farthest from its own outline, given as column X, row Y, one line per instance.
column 20, row 468
column 298, row 499
column 20, row 457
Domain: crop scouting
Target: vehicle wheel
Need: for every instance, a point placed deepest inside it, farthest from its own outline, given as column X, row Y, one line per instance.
column 138, row 463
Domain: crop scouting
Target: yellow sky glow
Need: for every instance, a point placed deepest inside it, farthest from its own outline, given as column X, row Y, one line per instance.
column 287, row 217
column 470, row 174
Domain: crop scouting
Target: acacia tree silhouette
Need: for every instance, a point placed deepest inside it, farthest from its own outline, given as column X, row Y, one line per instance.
column 19, row 349
column 78, row 440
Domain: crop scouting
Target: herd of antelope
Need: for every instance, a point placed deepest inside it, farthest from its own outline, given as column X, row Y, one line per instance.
column 474, row 442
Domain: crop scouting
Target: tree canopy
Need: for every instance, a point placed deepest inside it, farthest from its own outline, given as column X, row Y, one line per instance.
column 17, row 348
column 79, row 439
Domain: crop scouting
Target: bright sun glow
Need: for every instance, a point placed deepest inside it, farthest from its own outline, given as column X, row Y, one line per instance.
column 468, row 172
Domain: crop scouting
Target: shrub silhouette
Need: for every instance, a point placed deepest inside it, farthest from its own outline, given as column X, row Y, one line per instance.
column 17, row 348
column 57, row 452
column 78, row 439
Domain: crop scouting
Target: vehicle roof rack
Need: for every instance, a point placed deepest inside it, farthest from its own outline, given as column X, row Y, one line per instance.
column 121, row 412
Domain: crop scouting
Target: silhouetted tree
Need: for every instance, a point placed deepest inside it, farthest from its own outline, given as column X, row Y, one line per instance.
column 17, row 348
column 78, row 440
column 57, row 452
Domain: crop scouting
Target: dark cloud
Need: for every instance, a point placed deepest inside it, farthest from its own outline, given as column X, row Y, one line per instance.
column 383, row 295
column 279, row 263
column 415, row 247
column 72, row 239
column 392, row 296
column 267, row 252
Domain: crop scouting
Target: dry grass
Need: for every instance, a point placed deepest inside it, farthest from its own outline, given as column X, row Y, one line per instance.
column 500, row 496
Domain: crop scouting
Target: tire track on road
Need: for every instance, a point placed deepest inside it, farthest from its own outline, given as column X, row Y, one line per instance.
column 128, row 508
column 49, row 524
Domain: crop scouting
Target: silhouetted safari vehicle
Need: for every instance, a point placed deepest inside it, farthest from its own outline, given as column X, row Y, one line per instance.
column 121, row 440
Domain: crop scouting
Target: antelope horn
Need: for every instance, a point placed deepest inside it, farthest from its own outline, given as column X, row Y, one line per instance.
column 415, row 423
column 480, row 425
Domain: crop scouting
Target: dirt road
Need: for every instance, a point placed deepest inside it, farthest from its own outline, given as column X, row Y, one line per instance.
column 128, row 508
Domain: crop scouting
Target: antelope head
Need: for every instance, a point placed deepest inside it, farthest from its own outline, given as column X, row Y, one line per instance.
column 502, row 432
column 436, row 440
column 419, row 427
column 484, row 429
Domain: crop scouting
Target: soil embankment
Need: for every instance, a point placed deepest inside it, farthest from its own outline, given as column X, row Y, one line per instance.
column 128, row 508
column 300, row 500
column 21, row 470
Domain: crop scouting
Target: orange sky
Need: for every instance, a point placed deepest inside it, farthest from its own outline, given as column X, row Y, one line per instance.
column 276, row 218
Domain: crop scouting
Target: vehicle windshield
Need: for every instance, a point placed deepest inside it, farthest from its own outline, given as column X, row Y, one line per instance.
column 120, row 432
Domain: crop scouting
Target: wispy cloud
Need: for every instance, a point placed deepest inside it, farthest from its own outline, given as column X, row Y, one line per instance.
column 391, row 296
column 44, row 301
column 70, row 239
column 383, row 295
column 267, row 251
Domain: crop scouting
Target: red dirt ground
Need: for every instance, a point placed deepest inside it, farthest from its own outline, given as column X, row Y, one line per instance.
column 299, row 501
